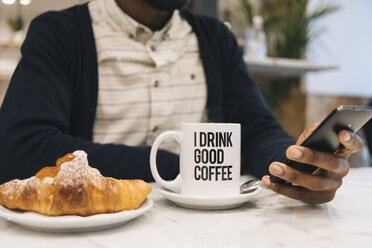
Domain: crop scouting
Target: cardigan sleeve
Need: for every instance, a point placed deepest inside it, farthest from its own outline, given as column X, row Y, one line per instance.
column 263, row 139
column 36, row 114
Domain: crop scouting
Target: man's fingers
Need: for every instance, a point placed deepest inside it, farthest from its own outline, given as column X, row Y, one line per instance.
column 299, row 193
column 312, row 182
column 323, row 160
column 350, row 141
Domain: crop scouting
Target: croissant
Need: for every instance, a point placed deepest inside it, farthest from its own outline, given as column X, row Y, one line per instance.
column 72, row 187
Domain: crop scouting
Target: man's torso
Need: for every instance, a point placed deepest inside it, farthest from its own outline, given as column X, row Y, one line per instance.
column 149, row 82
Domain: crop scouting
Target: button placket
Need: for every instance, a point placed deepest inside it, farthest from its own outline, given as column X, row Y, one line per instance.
column 152, row 51
column 156, row 107
column 140, row 30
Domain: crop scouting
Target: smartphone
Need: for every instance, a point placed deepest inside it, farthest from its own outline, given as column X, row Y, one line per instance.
column 325, row 137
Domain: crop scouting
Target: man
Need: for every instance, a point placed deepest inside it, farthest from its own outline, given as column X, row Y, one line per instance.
column 109, row 76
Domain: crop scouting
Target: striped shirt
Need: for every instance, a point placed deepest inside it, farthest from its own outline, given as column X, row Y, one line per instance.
column 149, row 82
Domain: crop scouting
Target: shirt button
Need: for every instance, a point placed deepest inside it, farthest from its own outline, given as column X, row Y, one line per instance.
column 192, row 76
column 165, row 37
column 140, row 30
column 131, row 36
column 153, row 48
column 156, row 83
column 156, row 128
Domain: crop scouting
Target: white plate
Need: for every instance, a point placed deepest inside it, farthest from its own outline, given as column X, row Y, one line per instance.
column 211, row 203
column 73, row 223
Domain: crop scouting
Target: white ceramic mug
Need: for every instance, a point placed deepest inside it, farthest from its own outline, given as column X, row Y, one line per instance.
column 209, row 159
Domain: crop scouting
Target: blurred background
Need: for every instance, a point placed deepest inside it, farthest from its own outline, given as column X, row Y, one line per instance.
column 308, row 56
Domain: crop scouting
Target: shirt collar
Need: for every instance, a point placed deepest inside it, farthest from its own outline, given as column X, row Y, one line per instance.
column 122, row 22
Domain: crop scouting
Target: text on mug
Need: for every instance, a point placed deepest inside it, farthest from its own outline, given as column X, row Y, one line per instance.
column 206, row 153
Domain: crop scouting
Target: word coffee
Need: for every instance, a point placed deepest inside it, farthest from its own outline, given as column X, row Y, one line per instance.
column 209, row 150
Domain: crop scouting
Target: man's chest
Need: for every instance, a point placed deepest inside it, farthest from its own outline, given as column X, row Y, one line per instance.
column 145, row 89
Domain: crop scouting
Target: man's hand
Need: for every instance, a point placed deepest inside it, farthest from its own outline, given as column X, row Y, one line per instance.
column 321, row 186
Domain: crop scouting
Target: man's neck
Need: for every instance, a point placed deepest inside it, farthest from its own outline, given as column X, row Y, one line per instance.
column 143, row 13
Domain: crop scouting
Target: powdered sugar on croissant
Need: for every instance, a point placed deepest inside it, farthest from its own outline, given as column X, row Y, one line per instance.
column 72, row 187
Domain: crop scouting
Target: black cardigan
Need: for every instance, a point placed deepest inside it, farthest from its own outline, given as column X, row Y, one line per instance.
column 50, row 105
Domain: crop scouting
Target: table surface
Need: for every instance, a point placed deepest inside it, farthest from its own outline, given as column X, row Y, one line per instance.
column 270, row 220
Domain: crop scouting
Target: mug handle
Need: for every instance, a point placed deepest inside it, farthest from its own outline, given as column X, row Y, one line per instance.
column 173, row 185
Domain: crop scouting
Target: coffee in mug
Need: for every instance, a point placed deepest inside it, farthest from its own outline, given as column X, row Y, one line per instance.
column 209, row 159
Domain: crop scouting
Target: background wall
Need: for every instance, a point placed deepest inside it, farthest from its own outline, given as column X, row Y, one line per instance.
column 346, row 42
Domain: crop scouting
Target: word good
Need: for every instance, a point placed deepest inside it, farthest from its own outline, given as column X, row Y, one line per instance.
column 212, row 156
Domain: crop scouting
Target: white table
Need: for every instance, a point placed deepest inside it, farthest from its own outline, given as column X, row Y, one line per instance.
column 269, row 221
